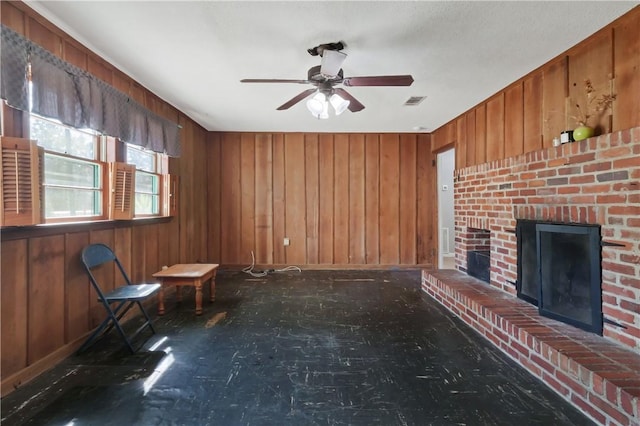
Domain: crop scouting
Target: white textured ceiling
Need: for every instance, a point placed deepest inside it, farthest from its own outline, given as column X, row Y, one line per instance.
column 194, row 53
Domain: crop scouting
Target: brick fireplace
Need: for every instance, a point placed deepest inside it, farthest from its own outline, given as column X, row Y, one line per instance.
column 591, row 182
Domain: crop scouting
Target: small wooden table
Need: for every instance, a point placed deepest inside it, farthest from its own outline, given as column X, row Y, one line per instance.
column 192, row 274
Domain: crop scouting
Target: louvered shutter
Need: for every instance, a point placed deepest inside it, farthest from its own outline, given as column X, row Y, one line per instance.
column 121, row 192
column 170, row 195
column 21, row 171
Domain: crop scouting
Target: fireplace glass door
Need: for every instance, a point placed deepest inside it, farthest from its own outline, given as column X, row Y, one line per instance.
column 568, row 257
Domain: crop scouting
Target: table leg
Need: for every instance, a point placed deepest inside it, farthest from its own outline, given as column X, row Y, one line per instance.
column 212, row 287
column 198, row 286
column 161, row 299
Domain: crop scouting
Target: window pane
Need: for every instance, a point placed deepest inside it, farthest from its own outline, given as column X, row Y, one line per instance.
column 66, row 140
column 69, row 172
column 146, row 183
column 143, row 160
column 69, row 202
column 147, row 204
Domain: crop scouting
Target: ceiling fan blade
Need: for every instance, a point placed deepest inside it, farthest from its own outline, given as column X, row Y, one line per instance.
column 331, row 63
column 296, row 99
column 379, row 80
column 273, row 80
column 354, row 104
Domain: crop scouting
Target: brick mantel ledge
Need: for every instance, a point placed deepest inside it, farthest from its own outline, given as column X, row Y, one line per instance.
column 600, row 377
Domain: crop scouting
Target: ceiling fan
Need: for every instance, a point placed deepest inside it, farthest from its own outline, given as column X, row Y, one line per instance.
column 326, row 76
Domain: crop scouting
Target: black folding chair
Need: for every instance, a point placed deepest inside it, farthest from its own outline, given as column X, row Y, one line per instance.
column 122, row 298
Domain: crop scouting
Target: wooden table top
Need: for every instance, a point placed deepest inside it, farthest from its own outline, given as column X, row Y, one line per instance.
column 186, row 270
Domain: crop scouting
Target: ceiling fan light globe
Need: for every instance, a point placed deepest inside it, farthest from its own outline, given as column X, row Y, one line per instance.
column 339, row 105
column 325, row 111
column 316, row 104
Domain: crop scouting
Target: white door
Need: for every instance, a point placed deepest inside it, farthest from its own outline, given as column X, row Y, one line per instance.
column 446, row 224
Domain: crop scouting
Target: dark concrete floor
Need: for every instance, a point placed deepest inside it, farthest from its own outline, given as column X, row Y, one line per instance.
column 309, row 348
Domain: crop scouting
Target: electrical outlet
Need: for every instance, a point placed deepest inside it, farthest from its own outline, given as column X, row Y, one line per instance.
column 286, row 242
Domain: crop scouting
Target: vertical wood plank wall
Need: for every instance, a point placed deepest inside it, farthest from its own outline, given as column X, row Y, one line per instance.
column 342, row 200
column 529, row 113
column 47, row 306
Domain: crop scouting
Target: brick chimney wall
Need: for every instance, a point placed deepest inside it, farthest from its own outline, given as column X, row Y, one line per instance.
column 594, row 181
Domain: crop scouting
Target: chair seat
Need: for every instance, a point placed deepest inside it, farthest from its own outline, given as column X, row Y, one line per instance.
column 132, row 292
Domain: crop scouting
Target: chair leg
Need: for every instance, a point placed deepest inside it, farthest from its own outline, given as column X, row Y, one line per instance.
column 102, row 329
column 146, row 315
column 113, row 320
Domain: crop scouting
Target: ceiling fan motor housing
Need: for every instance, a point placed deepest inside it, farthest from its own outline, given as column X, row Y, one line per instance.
column 314, row 74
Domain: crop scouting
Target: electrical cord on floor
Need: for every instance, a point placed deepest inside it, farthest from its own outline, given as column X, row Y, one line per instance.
column 257, row 274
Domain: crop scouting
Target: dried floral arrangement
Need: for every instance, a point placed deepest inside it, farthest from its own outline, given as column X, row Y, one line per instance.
column 596, row 106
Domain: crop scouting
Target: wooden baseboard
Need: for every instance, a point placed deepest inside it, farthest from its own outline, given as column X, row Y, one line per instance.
column 331, row 267
column 14, row 381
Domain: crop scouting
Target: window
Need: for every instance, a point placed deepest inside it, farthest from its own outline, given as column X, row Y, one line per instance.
column 148, row 180
column 73, row 174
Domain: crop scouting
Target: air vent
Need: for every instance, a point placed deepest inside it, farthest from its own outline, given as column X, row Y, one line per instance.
column 414, row 100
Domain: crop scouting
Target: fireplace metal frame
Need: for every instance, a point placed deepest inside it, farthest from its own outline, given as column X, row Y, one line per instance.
column 520, row 227
column 595, row 258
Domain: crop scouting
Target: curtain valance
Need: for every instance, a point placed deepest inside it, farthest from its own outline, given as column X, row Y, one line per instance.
column 67, row 93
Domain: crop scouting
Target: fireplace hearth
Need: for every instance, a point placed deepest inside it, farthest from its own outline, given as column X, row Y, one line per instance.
column 559, row 271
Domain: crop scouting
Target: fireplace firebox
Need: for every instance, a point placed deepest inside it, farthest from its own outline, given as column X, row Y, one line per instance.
column 559, row 270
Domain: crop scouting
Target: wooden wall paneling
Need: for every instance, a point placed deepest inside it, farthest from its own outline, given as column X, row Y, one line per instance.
column 593, row 60
column 461, row 143
column 213, row 194
column 200, row 193
column 554, row 92
column 105, row 275
column 627, row 72
column 372, row 198
column 122, row 82
column 481, row 134
column 389, row 199
column 101, row 70
column 14, row 301
column 532, row 116
column 138, row 94
column 164, row 241
column 264, row 199
column 43, row 36
column 495, row 127
column 74, row 54
column 151, row 248
column 13, row 124
column 174, row 225
column 341, row 200
column 76, row 287
column 295, row 207
column 407, row 194
column 279, row 210
column 123, row 248
column 470, row 118
column 46, row 316
column 326, row 198
column 312, row 196
column 248, row 202
column 357, row 232
column 425, row 196
column 231, row 194
column 444, row 136
column 12, row 17
column 185, row 199
column 514, row 120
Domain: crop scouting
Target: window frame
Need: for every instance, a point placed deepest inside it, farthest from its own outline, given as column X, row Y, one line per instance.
column 159, row 161
column 100, row 149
